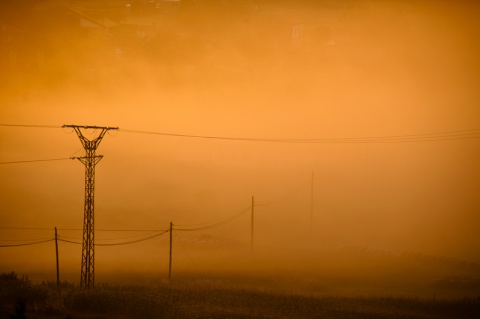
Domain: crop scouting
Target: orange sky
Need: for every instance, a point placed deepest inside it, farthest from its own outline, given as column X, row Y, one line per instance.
column 384, row 68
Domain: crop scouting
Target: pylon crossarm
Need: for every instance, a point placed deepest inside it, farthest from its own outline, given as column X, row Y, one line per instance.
column 91, row 126
column 86, row 143
column 90, row 144
column 86, row 159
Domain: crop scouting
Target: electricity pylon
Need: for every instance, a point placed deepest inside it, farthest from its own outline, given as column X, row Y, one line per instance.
column 89, row 160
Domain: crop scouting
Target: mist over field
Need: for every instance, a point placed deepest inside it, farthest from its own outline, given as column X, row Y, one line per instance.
column 388, row 89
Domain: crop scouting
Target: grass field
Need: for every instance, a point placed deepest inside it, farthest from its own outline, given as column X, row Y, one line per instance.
column 213, row 298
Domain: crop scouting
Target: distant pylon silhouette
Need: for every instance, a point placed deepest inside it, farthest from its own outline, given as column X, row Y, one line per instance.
column 89, row 160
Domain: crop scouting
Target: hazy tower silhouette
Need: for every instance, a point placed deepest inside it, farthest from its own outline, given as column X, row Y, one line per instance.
column 89, row 160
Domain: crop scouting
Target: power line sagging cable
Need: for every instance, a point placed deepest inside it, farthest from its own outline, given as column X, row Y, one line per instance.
column 40, row 160
column 426, row 137
column 28, row 244
column 22, row 240
column 69, row 241
column 121, row 238
column 150, row 235
column 63, row 239
column 135, row 241
column 31, row 126
column 407, row 138
column 80, row 229
column 26, row 228
column 213, row 224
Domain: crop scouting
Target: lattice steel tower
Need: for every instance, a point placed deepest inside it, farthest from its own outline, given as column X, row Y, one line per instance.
column 89, row 160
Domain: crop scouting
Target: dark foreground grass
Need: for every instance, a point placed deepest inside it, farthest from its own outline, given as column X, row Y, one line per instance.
column 19, row 298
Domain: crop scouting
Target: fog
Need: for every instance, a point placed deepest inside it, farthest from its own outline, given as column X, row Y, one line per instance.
column 244, row 69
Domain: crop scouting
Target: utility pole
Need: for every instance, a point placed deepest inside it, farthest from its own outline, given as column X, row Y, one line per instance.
column 311, row 207
column 56, row 254
column 170, row 259
column 252, row 224
column 89, row 160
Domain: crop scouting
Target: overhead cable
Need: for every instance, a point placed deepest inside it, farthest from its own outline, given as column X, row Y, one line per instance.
column 32, row 126
column 21, row 240
column 127, row 237
column 40, row 160
column 116, row 244
column 69, row 241
column 134, row 241
column 426, row 137
column 26, row 228
column 407, row 138
column 28, row 244
column 80, row 229
column 214, row 224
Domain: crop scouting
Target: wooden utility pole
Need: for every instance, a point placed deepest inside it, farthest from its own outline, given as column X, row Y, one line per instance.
column 311, row 207
column 170, row 259
column 56, row 253
column 252, row 224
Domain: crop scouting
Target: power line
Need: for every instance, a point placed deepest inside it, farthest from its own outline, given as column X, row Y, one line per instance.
column 127, row 230
column 134, row 241
column 30, row 239
column 127, row 237
column 40, row 160
column 426, row 137
column 69, row 241
column 117, row 244
column 28, row 244
column 214, row 224
column 118, row 238
column 405, row 138
column 213, row 221
column 27, row 228
column 108, row 230
column 79, row 229
column 31, row 126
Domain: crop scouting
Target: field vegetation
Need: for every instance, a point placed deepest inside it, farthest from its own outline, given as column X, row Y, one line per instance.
column 209, row 298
